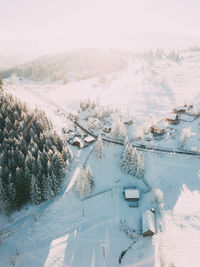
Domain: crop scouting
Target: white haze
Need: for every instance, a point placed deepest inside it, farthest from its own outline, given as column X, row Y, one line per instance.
column 49, row 26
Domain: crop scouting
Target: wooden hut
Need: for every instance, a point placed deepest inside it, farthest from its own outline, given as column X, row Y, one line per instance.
column 180, row 110
column 89, row 139
column 156, row 131
column 77, row 142
column 131, row 194
column 172, row 118
column 148, row 223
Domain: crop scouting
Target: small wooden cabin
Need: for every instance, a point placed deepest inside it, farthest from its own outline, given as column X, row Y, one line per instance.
column 128, row 122
column 180, row 110
column 148, row 223
column 183, row 109
column 131, row 194
column 172, row 118
column 156, row 131
column 89, row 139
column 107, row 130
column 77, row 142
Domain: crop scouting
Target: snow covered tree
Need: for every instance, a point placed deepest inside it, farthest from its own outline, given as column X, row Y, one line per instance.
column 118, row 128
column 35, row 193
column 11, row 192
column 99, row 146
column 140, row 166
column 48, row 192
column 186, row 134
column 90, row 177
column 158, row 195
column 4, row 202
column 132, row 162
column 126, row 141
column 29, row 153
column 84, row 182
column 125, row 158
column 129, row 160
column 1, row 84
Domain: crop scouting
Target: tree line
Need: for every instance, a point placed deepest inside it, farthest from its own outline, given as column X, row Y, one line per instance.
column 33, row 158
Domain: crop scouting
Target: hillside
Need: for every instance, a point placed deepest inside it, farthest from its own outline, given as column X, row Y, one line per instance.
column 97, row 229
column 70, row 66
column 33, row 157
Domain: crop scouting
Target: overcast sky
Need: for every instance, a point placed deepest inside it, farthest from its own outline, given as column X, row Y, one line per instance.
column 58, row 25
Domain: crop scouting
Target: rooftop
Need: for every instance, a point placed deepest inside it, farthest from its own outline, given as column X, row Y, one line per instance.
column 132, row 193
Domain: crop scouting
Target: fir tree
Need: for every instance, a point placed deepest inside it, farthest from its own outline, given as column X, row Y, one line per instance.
column 129, row 160
column 29, row 153
column 90, row 177
column 140, row 166
column 84, row 182
column 35, row 193
column 99, row 147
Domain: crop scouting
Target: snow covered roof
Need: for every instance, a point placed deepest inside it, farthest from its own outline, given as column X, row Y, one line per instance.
column 148, row 223
column 132, row 194
column 89, row 139
column 182, row 108
column 94, row 121
column 161, row 125
column 171, row 116
column 77, row 141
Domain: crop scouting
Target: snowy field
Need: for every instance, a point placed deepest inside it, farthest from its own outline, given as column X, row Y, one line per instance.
column 69, row 232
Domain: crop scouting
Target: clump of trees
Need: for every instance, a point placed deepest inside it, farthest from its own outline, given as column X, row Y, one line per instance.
column 87, row 104
column 99, row 147
column 132, row 161
column 33, row 158
column 118, row 128
column 84, row 182
column 186, row 134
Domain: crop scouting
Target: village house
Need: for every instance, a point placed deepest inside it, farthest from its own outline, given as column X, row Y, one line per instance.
column 77, row 142
column 107, row 130
column 128, row 122
column 172, row 118
column 156, row 131
column 89, row 139
column 148, row 223
column 183, row 109
column 131, row 194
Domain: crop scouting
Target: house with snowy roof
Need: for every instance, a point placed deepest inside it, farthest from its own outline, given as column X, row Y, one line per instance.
column 172, row 118
column 148, row 223
column 77, row 142
column 89, row 139
column 132, row 194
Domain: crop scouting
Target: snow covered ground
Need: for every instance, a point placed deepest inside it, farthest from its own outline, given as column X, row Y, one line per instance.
column 71, row 232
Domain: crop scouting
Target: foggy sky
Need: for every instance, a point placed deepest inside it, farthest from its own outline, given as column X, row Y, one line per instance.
column 58, row 25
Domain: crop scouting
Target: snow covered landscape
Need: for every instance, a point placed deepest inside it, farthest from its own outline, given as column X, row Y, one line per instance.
column 95, row 230
column 100, row 134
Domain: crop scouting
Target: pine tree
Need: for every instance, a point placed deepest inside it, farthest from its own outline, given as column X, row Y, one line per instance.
column 126, row 141
column 4, row 203
column 1, row 84
column 35, row 193
column 99, row 147
column 129, row 160
column 125, row 159
column 140, row 166
column 90, row 177
column 11, row 192
column 47, row 187
column 133, row 160
column 27, row 149
column 118, row 128
column 84, row 182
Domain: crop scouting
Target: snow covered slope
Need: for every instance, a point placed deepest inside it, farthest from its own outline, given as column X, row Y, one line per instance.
column 92, row 232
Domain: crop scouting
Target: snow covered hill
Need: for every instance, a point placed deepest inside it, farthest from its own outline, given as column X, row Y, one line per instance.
column 72, row 232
